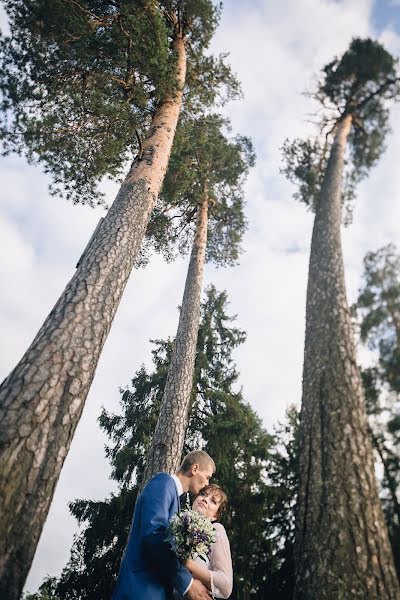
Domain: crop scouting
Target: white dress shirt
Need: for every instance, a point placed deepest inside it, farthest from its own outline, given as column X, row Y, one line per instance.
column 178, row 484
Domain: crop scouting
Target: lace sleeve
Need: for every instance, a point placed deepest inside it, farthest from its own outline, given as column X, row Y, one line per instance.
column 221, row 565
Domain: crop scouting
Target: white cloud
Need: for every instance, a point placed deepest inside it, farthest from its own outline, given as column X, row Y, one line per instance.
column 275, row 53
column 4, row 28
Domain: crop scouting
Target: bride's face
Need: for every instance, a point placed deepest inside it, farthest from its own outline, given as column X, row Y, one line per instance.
column 207, row 504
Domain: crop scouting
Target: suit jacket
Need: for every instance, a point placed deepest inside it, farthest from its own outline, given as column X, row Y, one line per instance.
column 149, row 568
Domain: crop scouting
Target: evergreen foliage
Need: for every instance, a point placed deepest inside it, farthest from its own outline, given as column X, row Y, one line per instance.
column 377, row 310
column 262, row 511
column 204, row 159
column 378, row 306
column 47, row 591
column 283, row 478
column 80, row 81
column 256, row 469
column 358, row 84
column 305, row 163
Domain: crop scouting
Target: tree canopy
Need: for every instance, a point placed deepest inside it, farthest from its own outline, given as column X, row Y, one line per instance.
column 80, row 81
column 360, row 84
column 378, row 308
column 205, row 159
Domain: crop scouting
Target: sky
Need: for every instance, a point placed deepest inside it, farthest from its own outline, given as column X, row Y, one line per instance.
column 276, row 54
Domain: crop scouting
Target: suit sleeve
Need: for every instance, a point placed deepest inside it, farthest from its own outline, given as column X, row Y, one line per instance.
column 158, row 495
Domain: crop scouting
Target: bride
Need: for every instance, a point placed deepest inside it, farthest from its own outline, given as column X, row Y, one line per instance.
column 217, row 573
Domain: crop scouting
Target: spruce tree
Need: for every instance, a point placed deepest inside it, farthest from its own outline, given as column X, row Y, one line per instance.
column 87, row 88
column 342, row 546
column 220, row 418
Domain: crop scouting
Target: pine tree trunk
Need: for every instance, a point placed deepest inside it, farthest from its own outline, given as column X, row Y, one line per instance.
column 342, row 545
column 169, row 436
column 42, row 399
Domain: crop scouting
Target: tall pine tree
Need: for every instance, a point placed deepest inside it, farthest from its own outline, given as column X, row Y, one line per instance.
column 342, row 546
column 205, row 184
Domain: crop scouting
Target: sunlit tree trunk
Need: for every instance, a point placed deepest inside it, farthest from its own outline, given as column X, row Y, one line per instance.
column 167, row 444
column 42, row 399
column 342, row 545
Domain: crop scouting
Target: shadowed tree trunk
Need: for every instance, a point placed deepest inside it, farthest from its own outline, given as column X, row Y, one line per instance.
column 342, row 546
column 42, row 399
column 166, row 449
column 392, row 485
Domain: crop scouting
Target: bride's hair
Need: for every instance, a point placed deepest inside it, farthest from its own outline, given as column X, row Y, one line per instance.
column 214, row 489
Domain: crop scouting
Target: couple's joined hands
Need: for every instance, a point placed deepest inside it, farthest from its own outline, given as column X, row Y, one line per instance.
column 198, row 591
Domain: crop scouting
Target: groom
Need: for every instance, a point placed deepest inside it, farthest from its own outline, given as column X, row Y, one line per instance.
column 149, row 568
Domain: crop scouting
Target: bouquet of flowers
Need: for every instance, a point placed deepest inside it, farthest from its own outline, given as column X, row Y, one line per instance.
column 190, row 534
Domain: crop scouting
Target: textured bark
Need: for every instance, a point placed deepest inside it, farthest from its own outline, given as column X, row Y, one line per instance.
column 169, row 436
column 342, row 546
column 42, row 399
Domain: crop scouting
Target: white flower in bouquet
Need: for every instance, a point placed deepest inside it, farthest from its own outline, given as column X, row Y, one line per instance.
column 190, row 534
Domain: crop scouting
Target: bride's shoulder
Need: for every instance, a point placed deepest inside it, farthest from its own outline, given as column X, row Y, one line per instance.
column 220, row 529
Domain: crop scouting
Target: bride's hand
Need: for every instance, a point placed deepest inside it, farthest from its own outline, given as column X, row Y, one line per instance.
column 188, row 564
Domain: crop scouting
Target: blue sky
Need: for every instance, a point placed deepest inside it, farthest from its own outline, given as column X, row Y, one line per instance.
column 386, row 14
column 276, row 55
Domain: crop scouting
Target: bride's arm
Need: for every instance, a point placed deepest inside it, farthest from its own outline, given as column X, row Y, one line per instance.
column 199, row 572
column 218, row 578
column 221, row 565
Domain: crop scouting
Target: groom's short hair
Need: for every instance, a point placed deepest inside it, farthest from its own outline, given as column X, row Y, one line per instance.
column 196, row 457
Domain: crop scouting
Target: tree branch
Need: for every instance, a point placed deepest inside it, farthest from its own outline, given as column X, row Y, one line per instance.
column 377, row 92
column 140, row 153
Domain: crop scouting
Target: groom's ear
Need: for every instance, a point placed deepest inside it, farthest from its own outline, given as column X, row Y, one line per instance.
column 194, row 469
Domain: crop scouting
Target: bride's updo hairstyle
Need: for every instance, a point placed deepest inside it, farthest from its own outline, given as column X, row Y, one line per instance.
column 213, row 489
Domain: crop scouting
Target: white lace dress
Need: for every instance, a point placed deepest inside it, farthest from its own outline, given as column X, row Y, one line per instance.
column 220, row 564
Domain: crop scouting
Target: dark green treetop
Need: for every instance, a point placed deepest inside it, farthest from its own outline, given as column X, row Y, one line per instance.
column 360, row 84
column 47, row 591
column 283, row 480
column 205, row 160
column 81, row 79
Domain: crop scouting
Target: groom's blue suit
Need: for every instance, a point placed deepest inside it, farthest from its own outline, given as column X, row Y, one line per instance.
column 149, row 567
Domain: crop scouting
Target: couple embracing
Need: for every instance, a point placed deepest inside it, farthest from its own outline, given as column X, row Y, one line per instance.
column 150, row 570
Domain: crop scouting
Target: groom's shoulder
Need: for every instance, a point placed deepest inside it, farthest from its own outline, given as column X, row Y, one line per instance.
column 161, row 479
column 160, row 485
column 162, row 476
